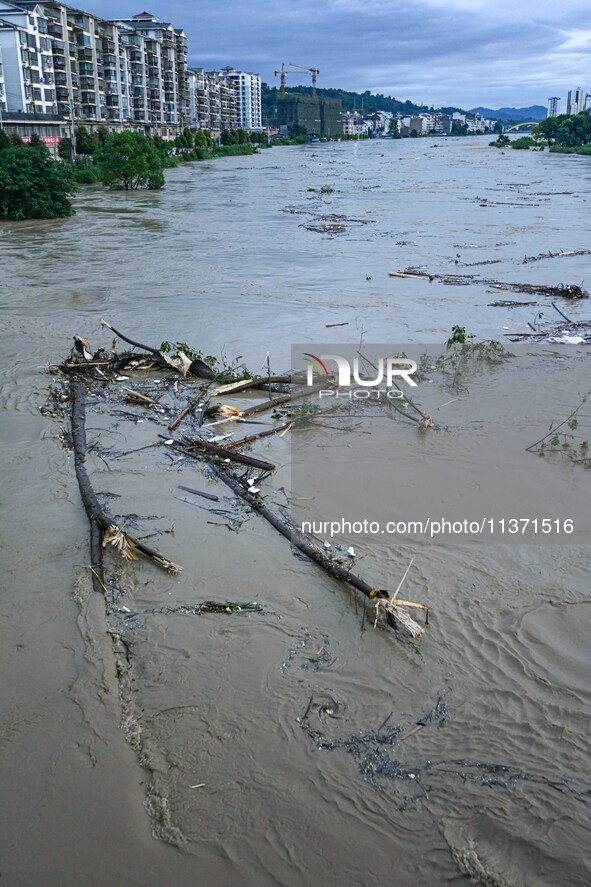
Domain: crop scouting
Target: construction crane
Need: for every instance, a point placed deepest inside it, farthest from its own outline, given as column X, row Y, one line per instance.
column 283, row 74
column 315, row 72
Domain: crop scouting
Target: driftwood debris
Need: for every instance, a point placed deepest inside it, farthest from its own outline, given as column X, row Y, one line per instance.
column 189, row 444
column 563, row 290
column 181, row 364
column 557, row 255
column 394, row 606
column 103, row 529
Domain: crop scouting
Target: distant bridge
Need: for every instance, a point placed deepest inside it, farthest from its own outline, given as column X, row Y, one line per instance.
column 525, row 123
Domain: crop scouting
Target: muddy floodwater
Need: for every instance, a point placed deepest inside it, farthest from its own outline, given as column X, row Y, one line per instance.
column 144, row 744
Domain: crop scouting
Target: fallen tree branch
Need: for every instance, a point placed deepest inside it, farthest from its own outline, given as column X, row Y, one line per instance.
column 564, row 290
column 189, row 408
column 245, row 384
column 299, row 541
column 181, row 363
column 103, row 529
column 188, row 445
column 238, row 444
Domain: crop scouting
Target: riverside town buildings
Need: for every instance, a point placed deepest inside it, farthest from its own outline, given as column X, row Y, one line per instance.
column 61, row 67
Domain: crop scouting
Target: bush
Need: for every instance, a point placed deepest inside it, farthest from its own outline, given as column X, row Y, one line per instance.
column 130, row 161
column 234, row 150
column 33, row 185
column 523, row 144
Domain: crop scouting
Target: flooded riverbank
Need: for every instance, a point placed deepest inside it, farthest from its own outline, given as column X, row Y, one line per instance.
column 202, row 744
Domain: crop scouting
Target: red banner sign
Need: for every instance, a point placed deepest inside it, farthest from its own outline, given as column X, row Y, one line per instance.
column 50, row 141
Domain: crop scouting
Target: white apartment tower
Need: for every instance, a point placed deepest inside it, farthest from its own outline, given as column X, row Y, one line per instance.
column 575, row 102
column 553, row 106
column 247, row 88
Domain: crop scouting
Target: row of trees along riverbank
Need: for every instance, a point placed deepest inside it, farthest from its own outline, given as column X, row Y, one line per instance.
column 565, row 134
column 35, row 186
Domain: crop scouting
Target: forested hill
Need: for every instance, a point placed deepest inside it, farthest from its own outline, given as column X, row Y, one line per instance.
column 367, row 102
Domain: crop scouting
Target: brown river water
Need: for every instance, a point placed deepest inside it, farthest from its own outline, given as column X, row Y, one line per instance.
column 251, row 748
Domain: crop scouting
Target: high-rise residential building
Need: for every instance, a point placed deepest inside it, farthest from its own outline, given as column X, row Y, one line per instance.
column 158, row 70
column 553, row 106
column 128, row 73
column 27, row 61
column 214, row 104
column 575, row 102
column 247, row 89
column 56, row 60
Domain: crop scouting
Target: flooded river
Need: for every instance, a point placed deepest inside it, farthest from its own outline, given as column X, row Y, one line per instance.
column 254, row 748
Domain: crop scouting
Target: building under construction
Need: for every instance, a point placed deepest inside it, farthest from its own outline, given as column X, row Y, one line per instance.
column 320, row 116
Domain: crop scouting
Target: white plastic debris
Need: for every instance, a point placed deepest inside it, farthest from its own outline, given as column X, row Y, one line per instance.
column 125, row 609
column 168, row 443
column 351, row 552
column 567, row 340
column 254, row 489
column 327, row 545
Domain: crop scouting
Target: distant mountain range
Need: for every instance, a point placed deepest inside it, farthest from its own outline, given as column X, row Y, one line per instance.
column 513, row 115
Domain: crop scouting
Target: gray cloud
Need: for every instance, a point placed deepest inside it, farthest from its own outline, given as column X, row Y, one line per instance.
column 464, row 52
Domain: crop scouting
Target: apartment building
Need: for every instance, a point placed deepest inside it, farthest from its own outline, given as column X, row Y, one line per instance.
column 575, row 101
column 27, row 83
column 60, row 60
column 226, row 99
column 247, row 91
column 553, row 106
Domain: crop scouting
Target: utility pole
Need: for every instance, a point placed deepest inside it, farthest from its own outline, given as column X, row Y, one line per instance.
column 72, row 134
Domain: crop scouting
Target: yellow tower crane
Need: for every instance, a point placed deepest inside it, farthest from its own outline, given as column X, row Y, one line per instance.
column 283, row 74
column 315, row 72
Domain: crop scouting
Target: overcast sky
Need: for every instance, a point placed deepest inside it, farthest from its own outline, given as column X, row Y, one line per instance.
column 456, row 52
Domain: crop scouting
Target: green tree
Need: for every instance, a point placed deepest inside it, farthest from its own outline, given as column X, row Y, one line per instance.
column 64, row 149
column 226, row 137
column 394, row 129
column 101, row 136
column 189, row 137
column 86, row 142
column 131, row 160
column 298, row 133
column 201, row 139
column 4, row 140
column 33, row 185
column 498, row 128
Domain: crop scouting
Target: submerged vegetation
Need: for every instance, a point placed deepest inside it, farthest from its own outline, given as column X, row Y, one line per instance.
column 565, row 134
column 32, row 184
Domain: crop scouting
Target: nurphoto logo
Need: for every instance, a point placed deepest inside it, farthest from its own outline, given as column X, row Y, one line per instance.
column 387, row 370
